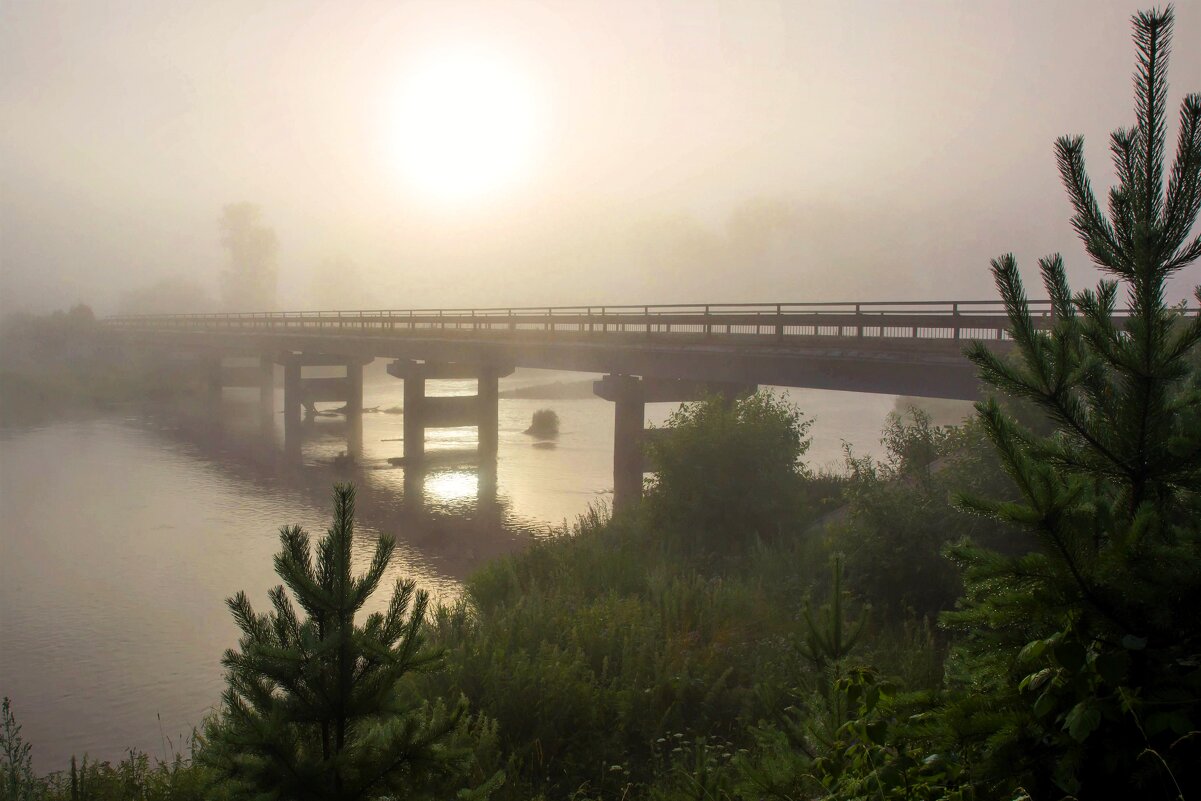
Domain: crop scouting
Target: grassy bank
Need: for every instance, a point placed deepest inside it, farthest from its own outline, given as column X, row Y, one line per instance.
column 644, row 656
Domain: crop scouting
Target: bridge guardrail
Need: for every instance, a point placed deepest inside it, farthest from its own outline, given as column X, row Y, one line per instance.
column 945, row 320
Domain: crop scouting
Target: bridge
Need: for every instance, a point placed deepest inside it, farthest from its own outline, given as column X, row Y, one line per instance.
column 646, row 354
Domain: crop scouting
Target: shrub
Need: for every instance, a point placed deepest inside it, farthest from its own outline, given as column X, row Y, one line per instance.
column 17, row 781
column 728, row 473
column 900, row 515
column 545, row 424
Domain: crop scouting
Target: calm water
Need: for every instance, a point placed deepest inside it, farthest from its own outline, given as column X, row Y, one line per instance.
column 120, row 538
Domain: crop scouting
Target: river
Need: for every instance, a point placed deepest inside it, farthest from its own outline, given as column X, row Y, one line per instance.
column 121, row 537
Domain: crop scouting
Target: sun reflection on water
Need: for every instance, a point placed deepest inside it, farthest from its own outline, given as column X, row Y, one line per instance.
column 452, row 487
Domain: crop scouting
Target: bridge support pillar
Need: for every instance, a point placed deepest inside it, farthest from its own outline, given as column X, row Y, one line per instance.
column 488, row 394
column 422, row 411
column 301, row 393
column 629, row 395
column 244, row 372
column 629, row 421
column 414, row 411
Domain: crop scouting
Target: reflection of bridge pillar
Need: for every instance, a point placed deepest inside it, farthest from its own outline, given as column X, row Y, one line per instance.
column 292, row 402
column 267, row 392
column 486, row 488
column 354, row 409
column 422, row 411
column 414, row 485
column 213, row 380
column 630, row 395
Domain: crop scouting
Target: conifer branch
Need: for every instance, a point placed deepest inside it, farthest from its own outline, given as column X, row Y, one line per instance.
column 1153, row 38
column 1094, row 230
column 1183, row 201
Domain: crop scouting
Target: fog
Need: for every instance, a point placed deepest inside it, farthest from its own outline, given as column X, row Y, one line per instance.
column 684, row 152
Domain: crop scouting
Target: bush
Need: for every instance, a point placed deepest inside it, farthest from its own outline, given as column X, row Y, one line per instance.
column 727, row 474
column 545, row 424
column 593, row 649
column 900, row 514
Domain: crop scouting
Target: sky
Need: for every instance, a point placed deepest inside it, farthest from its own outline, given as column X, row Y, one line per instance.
column 647, row 152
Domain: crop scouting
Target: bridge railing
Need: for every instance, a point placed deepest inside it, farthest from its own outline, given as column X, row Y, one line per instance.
column 944, row 320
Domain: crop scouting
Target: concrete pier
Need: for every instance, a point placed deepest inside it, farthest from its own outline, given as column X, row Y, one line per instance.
column 422, row 411
column 244, row 373
column 629, row 395
column 301, row 392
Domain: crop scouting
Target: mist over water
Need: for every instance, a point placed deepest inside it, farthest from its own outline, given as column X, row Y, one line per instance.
column 128, row 532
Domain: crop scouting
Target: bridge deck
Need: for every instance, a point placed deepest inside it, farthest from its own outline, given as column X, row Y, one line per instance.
column 894, row 348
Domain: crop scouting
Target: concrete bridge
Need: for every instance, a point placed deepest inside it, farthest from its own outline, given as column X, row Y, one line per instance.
column 647, row 354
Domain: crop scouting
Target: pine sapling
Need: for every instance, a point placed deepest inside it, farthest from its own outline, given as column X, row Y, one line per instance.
column 317, row 706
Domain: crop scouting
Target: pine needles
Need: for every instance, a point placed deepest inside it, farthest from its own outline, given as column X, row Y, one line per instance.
column 1113, row 494
column 315, row 706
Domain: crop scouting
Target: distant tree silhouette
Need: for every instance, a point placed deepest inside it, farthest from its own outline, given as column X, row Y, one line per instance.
column 337, row 284
column 248, row 284
column 171, row 295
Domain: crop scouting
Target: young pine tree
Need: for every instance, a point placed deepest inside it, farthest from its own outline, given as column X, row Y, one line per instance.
column 314, row 708
column 1084, row 656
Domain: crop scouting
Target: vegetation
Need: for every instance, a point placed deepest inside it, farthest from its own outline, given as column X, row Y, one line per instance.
column 1004, row 609
column 544, row 425
column 315, row 707
column 728, row 473
column 627, row 659
column 1088, row 647
column 250, row 281
column 172, row 295
column 17, row 781
column 897, row 519
column 67, row 364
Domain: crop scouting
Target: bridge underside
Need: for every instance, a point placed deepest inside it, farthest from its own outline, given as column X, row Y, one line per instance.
column 923, row 368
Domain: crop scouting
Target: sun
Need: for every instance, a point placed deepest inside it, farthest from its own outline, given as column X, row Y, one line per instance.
column 467, row 125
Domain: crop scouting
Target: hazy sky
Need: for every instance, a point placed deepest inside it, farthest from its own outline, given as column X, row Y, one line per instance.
column 678, row 151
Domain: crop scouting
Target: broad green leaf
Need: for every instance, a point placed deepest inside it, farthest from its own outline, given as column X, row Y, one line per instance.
column 1082, row 720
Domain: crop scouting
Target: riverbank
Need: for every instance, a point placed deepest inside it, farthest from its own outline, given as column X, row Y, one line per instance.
column 616, row 643
column 554, row 390
column 67, row 366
